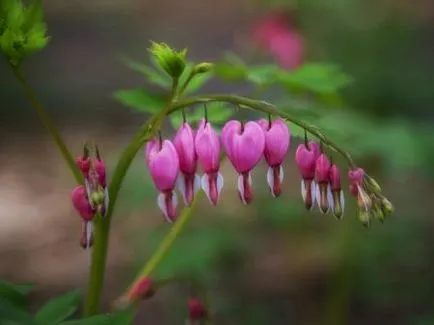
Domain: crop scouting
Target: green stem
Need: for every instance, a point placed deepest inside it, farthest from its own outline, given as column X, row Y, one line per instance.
column 48, row 124
column 266, row 108
column 102, row 227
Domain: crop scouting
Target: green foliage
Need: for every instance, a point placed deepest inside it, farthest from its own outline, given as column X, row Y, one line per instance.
column 154, row 76
column 140, row 100
column 22, row 29
column 58, row 309
column 171, row 61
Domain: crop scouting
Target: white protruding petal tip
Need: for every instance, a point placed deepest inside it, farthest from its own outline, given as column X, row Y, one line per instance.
column 196, row 183
column 161, row 201
column 342, row 198
column 181, row 185
column 270, row 180
column 331, row 203
column 220, row 183
column 89, row 233
column 303, row 190
column 317, row 195
column 205, row 185
column 313, row 193
column 241, row 188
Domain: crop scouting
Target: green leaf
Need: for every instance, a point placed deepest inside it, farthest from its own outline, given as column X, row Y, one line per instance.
column 155, row 77
column 58, row 309
column 263, row 74
column 14, row 293
column 140, row 100
column 14, row 314
column 318, row 78
column 124, row 317
column 230, row 72
column 171, row 61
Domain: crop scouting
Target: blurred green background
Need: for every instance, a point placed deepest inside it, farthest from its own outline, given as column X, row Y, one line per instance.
column 271, row 262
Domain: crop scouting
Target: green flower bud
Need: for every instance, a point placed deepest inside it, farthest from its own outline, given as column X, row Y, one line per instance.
column 387, row 207
column 97, row 197
column 373, row 184
column 168, row 59
column 203, row 67
column 365, row 217
column 378, row 213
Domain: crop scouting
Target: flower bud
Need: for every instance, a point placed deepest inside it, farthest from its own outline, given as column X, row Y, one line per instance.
column 196, row 310
column 202, row 67
column 171, row 61
column 387, row 207
column 365, row 217
column 142, row 289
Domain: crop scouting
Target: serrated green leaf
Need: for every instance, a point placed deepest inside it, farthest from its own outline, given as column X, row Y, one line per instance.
column 15, row 294
column 58, row 309
column 93, row 320
column 140, row 100
column 14, row 314
column 154, row 76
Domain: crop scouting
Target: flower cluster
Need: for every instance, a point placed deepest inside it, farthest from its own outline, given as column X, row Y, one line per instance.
column 174, row 165
column 90, row 199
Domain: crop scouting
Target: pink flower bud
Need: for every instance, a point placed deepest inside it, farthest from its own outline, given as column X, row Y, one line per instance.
column 244, row 146
column 277, row 142
column 189, row 183
column 83, row 163
column 323, row 192
column 305, row 158
column 207, row 145
column 81, row 204
column 142, row 289
column 196, row 310
column 163, row 163
column 356, row 175
column 101, row 172
column 337, row 203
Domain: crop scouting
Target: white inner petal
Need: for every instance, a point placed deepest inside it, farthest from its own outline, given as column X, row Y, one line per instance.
column 161, row 201
column 303, row 190
column 342, row 198
column 182, row 187
column 317, row 195
column 196, row 184
column 205, row 186
column 241, row 188
column 313, row 188
column 270, row 180
column 220, row 183
column 331, row 203
column 281, row 176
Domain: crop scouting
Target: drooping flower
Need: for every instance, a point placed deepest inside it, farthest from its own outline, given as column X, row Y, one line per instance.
column 277, row 142
column 281, row 39
column 207, row 145
column 356, row 177
column 189, row 182
column 163, row 164
column 305, row 158
column 322, row 175
column 197, row 311
column 337, row 203
column 142, row 289
column 244, row 146
column 81, row 204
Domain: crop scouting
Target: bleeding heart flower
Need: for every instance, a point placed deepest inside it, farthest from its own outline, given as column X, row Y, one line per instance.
column 81, row 204
column 356, row 177
column 207, row 145
column 337, row 203
column 277, row 142
column 305, row 158
column 189, row 182
column 244, row 145
column 163, row 164
column 196, row 310
column 323, row 191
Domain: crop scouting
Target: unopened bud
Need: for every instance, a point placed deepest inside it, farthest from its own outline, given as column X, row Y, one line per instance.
column 387, row 207
column 378, row 213
column 97, row 198
column 373, row 183
column 196, row 310
column 364, row 217
column 203, row 67
column 142, row 289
